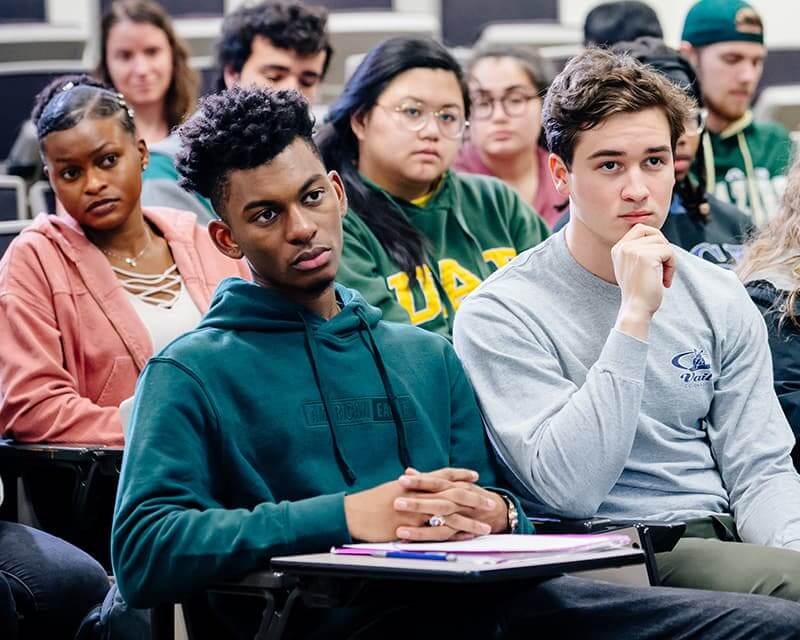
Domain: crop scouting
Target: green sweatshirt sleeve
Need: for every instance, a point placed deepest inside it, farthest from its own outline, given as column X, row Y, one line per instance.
column 469, row 444
column 527, row 228
column 171, row 534
column 365, row 266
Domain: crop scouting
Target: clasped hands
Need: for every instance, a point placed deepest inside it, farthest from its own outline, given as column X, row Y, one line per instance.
column 401, row 508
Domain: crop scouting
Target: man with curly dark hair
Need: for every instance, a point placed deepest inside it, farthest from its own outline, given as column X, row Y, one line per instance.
column 277, row 44
column 283, row 45
column 295, row 419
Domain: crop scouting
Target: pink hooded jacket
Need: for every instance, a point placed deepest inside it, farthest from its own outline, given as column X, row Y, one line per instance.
column 71, row 344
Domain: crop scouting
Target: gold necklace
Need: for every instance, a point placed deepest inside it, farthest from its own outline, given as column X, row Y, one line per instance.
column 131, row 260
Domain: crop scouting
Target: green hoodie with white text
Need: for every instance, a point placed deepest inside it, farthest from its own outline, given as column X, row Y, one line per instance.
column 746, row 165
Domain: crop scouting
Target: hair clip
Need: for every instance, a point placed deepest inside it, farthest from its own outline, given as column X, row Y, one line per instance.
column 124, row 105
column 68, row 86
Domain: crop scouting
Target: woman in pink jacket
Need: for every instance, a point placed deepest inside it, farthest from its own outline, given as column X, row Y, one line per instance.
column 87, row 298
column 506, row 86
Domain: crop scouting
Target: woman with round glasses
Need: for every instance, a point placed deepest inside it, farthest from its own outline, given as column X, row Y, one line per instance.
column 506, row 86
column 419, row 237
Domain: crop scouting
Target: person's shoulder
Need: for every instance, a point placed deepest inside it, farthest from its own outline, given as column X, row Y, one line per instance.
column 769, row 129
column 530, row 269
column 353, row 225
column 402, row 335
column 715, row 283
column 428, row 350
column 481, row 186
column 764, row 293
column 196, row 350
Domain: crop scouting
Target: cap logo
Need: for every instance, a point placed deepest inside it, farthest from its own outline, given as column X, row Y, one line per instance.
column 747, row 21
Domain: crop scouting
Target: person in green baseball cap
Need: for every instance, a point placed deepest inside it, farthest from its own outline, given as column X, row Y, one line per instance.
column 743, row 161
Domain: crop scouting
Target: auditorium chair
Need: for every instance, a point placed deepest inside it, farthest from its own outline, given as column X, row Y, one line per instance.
column 10, row 230
column 41, row 197
column 86, row 466
column 13, row 203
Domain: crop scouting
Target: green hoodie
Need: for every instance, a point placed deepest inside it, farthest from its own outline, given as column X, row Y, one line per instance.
column 247, row 433
column 473, row 225
column 746, row 165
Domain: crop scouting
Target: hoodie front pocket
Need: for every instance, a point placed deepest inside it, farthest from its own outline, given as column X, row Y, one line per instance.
column 120, row 383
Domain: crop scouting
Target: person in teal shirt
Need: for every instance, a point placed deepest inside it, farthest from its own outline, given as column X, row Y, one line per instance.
column 294, row 419
column 419, row 237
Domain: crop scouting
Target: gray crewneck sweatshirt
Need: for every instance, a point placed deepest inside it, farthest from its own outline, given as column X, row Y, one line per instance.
column 591, row 421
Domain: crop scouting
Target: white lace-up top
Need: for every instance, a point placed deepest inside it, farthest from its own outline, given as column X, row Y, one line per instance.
column 161, row 302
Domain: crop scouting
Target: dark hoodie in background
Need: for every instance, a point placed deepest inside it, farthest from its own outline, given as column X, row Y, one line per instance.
column 253, row 427
column 770, row 289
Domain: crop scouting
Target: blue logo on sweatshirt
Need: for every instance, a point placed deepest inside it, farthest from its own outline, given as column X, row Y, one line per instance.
column 693, row 362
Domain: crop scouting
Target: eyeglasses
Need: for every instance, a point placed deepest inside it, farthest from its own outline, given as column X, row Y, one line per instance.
column 514, row 103
column 696, row 122
column 414, row 116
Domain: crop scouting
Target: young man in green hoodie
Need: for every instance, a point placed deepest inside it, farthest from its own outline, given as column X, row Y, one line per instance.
column 294, row 419
column 743, row 161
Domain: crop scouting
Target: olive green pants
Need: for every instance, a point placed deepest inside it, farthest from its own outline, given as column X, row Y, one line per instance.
column 711, row 555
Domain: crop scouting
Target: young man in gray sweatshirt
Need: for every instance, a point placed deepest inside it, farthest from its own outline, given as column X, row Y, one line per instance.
column 621, row 376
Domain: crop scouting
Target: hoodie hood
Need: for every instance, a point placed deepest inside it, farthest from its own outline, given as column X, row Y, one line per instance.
column 245, row 306
column 248, row 307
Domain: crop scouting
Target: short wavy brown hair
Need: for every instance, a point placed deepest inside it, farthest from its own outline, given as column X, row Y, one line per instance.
column 597, row 84
column 181, row 98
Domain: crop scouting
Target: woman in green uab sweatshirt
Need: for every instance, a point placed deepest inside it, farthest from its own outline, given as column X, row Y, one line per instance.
column 418, row 237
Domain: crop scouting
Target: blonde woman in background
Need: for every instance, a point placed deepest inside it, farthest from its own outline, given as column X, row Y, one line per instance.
column 770, row 270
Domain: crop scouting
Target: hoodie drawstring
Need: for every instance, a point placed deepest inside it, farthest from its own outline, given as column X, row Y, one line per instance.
column 402, row 441
column 349, row 474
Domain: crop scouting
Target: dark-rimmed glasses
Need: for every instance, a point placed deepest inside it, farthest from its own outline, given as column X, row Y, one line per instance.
column 514, row 103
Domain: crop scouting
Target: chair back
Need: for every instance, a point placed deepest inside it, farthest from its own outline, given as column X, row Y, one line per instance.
column 13, row 202
column 9, row 230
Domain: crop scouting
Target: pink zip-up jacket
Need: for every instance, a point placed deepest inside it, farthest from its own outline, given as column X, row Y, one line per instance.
column 71, row 343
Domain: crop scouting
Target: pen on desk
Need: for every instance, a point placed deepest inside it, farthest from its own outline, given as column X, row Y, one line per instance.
column 407, row 555
column 416, row 555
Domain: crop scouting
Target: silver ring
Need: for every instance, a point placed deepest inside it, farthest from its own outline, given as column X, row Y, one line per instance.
column 436, row 521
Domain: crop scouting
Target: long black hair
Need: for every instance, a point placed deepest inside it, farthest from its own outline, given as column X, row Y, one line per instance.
column 339, row 146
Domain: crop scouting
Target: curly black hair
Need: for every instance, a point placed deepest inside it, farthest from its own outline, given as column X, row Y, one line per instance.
column 288, row 25
column 240, row 128
column 68, row 99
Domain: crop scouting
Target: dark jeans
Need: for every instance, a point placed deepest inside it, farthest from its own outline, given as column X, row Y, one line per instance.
column 46, row 585
column 561, row 607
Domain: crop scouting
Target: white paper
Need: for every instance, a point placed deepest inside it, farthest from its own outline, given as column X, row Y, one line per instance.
column 507, row 543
